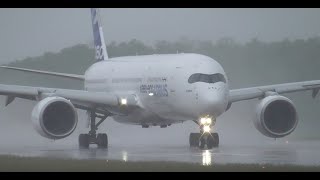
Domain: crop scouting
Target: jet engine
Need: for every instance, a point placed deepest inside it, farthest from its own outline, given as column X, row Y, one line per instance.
column 54, row 117
column 276, row 116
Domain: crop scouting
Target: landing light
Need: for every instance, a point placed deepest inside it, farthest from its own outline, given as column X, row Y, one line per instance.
column 150, row 94
column 209, row 120
column 205, row 121
column 206, row 129
column 123, row 101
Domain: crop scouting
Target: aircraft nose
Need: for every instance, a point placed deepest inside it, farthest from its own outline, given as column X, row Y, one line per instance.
column 212, row 100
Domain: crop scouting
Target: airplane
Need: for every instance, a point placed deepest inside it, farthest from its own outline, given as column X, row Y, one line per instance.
column 153, row 90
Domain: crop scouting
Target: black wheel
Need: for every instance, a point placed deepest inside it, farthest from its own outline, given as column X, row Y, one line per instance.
column 210, row 142
column 84, row 141
column 102, row 141
column 194, row 139
column 202, row 143
column 215, row 141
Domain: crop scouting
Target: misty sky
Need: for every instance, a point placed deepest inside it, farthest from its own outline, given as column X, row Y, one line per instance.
column 31, row 32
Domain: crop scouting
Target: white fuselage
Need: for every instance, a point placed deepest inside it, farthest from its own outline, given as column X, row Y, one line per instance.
column 160, row 82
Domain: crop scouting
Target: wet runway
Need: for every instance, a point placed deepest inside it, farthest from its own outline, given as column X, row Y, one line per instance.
column 240, row 141
column 299, row 152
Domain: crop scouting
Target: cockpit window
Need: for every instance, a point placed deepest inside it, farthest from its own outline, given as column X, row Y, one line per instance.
column 207, row 78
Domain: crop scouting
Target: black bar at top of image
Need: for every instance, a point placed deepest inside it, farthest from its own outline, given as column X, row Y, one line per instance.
column 160, row 4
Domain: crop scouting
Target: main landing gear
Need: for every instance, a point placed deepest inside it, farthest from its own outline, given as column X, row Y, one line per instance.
column 100, row 139
column 205, row 138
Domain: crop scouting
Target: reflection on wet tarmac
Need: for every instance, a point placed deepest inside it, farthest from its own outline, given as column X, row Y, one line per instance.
column 92, row 153
column 277, row 156
column 124, row 156
column 305, row 153
column 206, row 158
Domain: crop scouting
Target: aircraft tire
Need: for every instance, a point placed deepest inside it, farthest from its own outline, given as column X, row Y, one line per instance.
column 84, row 141
column 102, row 140
column 194, row 139
column 215, row 141
column 202, row 143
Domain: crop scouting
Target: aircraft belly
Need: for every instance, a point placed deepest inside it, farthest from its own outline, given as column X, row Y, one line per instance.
column 141, row 117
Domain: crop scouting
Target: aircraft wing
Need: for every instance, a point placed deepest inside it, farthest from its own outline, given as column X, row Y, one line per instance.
column 65, row 75
column 81, row 99
column 262, row 91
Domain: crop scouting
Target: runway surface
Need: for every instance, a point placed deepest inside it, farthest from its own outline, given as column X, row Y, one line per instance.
column 240, row 142
column 299, row 152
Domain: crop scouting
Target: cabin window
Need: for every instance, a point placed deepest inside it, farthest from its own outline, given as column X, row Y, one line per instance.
column 206, row 78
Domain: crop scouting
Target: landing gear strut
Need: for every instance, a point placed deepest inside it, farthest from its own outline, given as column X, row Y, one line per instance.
column 205, row 137
column 92, row 137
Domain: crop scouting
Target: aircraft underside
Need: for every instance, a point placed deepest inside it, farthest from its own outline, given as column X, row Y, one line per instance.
column 205, row 138
column 146, row 119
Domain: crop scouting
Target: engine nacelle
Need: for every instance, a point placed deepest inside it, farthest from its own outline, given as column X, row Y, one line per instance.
column 276, row 116
column 54, row 117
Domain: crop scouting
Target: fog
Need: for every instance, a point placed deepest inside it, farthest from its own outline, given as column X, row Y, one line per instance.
column 31, row 32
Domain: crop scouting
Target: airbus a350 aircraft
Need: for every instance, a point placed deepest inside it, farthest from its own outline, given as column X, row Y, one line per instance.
column 153, row 90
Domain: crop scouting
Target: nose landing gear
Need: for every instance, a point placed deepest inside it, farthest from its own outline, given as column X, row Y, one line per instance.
column 205, row 138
